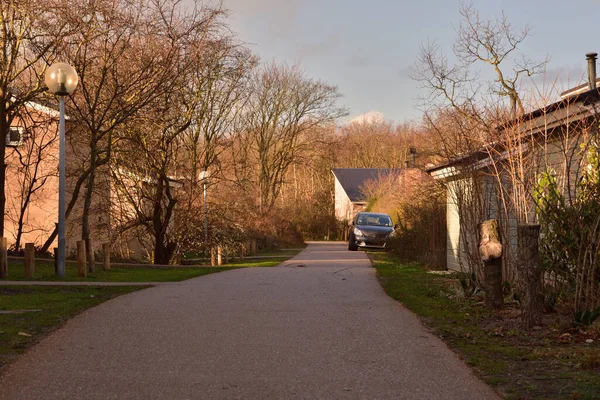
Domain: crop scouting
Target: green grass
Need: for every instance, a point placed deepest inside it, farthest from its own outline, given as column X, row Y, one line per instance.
column 44, row 271
column 56, row 304
column 272, row 262
column 518, row 364
column 283, row 253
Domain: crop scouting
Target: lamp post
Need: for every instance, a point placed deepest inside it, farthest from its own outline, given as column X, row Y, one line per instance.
column 61, row 80
column 204, row 178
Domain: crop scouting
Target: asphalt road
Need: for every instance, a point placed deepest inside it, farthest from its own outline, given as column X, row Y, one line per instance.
column 317, row 327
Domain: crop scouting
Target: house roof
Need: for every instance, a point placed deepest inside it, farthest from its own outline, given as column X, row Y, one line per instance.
column 352, row 179
column 539, row 124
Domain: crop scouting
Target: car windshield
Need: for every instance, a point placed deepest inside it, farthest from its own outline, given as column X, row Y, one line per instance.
column 374, row 220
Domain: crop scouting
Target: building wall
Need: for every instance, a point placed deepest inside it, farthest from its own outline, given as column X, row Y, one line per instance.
column 343, row 205
column 453, row 229
column 32, row 164
column 40, row 150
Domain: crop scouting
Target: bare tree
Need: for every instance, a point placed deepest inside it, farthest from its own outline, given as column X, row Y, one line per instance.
column 126, row 54
column 159, row 152
column 27, row 40
column 375, row 144
column 220, row 80
column 33, row 166
column 479, row 41
column 283, row 106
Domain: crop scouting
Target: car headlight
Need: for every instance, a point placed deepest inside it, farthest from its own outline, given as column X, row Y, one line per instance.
column 358, row 232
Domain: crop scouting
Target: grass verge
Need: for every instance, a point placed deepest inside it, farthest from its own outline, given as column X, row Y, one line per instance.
column 44, row 271
column 518, row 364
column 49, row 307
column 45, row 308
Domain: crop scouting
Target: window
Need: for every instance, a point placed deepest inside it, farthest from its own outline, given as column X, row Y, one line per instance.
column 14, row 137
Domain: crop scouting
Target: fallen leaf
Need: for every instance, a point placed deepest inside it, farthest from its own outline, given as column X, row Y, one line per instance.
column 24, row 334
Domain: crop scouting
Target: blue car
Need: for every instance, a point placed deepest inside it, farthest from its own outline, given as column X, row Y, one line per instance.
column 370, row 230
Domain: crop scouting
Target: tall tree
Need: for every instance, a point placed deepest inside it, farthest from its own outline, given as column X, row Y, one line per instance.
column 126, row 53
column 28, row 30
column 160, row 150
column 284, row 106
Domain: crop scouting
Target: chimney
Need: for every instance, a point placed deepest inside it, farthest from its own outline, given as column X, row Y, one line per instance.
column 591, row 58
column 413, row 155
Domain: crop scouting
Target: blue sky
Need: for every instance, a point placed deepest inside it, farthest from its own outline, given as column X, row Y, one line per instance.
column 366, row 48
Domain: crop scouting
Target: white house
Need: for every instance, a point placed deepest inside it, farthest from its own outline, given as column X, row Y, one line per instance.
column 349, row 198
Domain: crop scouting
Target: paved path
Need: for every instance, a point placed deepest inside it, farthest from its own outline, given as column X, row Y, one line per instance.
column 317, row 327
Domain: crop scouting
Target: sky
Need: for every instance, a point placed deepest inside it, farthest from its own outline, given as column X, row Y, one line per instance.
column 367, row 48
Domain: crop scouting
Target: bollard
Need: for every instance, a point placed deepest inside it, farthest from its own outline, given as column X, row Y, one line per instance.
column 81, row 269
column 106, row 253
column 91, row 259
column 219, row 256
column 56, row 261
column 531, row 274
column 3, row 258
column 490, row 250
column 29, row 260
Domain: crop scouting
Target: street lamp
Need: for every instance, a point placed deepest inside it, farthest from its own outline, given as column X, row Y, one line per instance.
column 61, row 80
column 204, row 178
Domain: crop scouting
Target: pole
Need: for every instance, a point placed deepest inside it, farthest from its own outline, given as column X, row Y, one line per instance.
column 61, row 192
column 205, row 217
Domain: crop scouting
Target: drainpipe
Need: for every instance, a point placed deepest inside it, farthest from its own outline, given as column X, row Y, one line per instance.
column 591, row 59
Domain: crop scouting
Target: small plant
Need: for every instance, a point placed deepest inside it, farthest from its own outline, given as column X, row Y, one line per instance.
column 586, row 318
column 469, row 284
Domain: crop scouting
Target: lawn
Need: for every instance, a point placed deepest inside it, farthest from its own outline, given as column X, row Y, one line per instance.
column 44, row 271
column 53, row 305
column 554, row 362
column 50, row 307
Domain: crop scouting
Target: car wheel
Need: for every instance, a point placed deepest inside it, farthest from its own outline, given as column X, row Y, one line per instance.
column 351, row 245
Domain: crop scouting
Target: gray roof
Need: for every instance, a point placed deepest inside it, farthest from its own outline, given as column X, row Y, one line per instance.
column 352, row 179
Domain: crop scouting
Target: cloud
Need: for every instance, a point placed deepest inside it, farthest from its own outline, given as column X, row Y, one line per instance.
column 280, row 15
column 565, row 75
column 371, row 116
column 406, row 71
column 357, row 60
column 326, row 46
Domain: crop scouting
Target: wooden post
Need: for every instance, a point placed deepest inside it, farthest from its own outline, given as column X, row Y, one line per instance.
column 91, row 257
column 530, row 274
column 56, row 261
column 219, row 256
column 81, row 269
column 241, row 251
column 106, row 254
column 490, row 249
column 213, row 256
column 29, row 260
column 3, row 258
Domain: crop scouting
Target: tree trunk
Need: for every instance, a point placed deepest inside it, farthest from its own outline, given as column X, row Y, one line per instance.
column 3, row 132
column 530, row 273
column 490, row 249
column 87, row 204
column 74, row 196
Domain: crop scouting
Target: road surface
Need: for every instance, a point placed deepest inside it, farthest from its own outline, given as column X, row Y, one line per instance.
column 317, row 327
